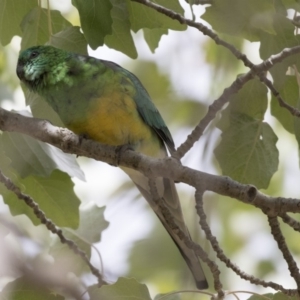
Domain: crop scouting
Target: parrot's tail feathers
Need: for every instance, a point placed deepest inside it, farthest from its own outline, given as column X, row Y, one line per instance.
column 194, row 265
column 167, row 191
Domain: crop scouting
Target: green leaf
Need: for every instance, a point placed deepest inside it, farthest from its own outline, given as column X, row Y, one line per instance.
column 54, row 195
column 124, row 288
column 22, row 288
column 286, row 85
column 91, row 225
column 168, row 297
column 247, row 151
column 284, row 38
column 291, row 4
column 257, row 297
column 281, row 296
column 5, row 163
column 35, row 26
column 11, row 15
column 277, row 296
column 40, row 108
column 265, row 267
column 32, row 157
column 64, row 256
column 70, row 39
column 142, row 16
column 173, row 5
column 121, row 38
column 224, row 65
column 95, row 18
column 251, row 100
column 27, row 155
column 289, row 91
column 241, row 17
column 153, row 36
column 5, row 91
column 165, row 260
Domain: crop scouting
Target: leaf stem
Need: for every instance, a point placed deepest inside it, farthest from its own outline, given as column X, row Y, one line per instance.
column 49, row 19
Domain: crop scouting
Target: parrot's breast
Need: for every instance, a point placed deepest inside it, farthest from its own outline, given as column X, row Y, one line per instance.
column 114, row 120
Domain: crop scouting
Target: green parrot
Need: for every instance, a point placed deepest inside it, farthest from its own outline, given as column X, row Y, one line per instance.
column 103, row 101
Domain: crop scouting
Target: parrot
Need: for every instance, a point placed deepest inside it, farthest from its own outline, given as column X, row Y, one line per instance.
column 101, row 100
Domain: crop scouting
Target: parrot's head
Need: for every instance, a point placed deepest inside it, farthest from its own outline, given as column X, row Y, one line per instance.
column 38, row 66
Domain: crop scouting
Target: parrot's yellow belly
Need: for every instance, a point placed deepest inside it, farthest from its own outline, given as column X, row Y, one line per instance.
column 115, row 121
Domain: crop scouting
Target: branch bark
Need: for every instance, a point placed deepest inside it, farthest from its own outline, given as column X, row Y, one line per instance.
column 169, row 167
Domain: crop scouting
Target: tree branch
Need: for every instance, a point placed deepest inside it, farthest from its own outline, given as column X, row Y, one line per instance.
column 199, row 2
column 213, row 109
column 229, row 264
column 215, row 271
column 168, row 167
column 290, row 221
column 279, row 238
column 187, row 240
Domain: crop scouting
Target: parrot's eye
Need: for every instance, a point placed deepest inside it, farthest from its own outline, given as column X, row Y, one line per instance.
column 34, row 54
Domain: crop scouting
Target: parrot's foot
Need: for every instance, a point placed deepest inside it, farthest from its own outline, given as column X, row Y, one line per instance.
column 82, row 136
column 120, row 150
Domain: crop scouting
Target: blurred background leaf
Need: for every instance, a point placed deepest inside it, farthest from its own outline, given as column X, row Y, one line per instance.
column 35, row 26
column 12, row 13
column 124, row 287
column 95, row 18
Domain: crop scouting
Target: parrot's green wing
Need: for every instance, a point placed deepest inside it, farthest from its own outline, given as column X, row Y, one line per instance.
column 145, row 106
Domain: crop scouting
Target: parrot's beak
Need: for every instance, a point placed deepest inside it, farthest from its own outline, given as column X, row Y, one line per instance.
column 20, row 70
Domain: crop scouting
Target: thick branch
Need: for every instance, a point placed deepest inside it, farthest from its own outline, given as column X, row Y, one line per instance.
column 69, row 142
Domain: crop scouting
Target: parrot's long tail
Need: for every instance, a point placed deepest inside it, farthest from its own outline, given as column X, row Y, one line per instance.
column 166, row 189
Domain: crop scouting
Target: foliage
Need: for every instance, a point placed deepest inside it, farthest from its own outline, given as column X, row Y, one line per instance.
column 245, row 150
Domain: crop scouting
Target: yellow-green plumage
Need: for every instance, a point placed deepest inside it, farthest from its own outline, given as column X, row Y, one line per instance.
column 107, row 103
column 107, row 111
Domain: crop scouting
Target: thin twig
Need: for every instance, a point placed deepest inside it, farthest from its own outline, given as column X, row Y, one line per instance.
column 213, row 109
column 50, row 225
column 251, row 293
column 184, row 292
column 220, row 254
column 182, row 235
column 279, row 238
column 294, row 111
column 290, row 221
column 49, row 19
column 215, row 272
column 199, row 2
column 205, row 30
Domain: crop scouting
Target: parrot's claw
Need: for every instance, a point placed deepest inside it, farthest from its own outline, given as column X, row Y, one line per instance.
column 83, row 136
column 120, row 150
